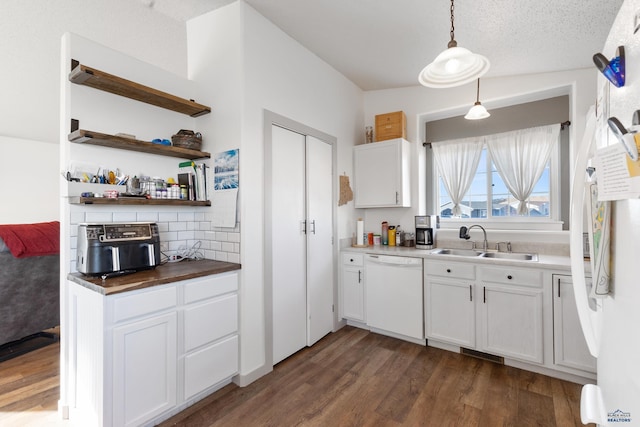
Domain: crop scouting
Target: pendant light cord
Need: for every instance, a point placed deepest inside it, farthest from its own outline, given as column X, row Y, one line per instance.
column 478, row 92
column 452, row 42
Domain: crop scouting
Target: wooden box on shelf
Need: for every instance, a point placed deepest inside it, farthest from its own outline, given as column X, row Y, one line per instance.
column 391, row 125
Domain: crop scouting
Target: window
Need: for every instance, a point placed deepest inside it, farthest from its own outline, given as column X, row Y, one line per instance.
column 489, row 190
column 516, row 176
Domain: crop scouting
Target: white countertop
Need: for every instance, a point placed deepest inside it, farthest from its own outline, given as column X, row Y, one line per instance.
column 549, row 262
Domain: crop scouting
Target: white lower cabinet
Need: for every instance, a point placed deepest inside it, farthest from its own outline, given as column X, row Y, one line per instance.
column 140, row 356
column 352, row 291
column 497, row 311
column 144, row 369
column 511, row 312
column 450, row 310
column 570, row 347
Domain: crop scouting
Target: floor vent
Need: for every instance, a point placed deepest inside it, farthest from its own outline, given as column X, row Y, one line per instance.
column 481, row 355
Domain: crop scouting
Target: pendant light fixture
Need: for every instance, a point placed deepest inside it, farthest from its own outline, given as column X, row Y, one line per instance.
column 453, row 67
column 478, row 111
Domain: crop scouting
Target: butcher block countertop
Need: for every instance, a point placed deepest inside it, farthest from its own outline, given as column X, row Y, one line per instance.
column 163, row 274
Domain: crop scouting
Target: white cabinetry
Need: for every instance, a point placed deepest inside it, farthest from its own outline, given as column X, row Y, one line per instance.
column 570, row 347
column 494, row 310
column 382, row 176
column 143, row 355
column 449, row 303
column 353, row 287
column 511, row 312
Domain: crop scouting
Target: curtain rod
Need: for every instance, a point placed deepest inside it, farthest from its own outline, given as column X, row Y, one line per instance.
column 562, row 126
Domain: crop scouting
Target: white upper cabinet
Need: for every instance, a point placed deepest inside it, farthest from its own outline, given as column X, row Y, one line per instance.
column 382, row 174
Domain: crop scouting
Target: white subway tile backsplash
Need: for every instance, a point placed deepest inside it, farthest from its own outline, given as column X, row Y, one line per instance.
column 125, row 217
column 186, row 235
column 147, row 216
column 186, row 216
column 177, row 226
column 77, row 217
column 98, row 217
column 179, row 230
column 167, row 216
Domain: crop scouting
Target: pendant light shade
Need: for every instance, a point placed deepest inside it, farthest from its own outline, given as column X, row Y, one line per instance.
column 453, row 67
column 478, row 111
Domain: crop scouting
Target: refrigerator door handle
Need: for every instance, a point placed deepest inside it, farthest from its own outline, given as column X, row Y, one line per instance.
column 590, row 320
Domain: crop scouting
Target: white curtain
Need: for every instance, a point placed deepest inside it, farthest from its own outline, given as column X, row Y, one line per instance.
column 520, row 158
column 457, row 162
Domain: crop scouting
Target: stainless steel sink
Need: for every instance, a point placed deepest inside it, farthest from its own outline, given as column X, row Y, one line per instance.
column 511, row 255
column 472, row 253
column 458, row 252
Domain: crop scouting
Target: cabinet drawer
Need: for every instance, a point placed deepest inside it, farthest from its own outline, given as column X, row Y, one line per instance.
column 351, row 258
column 511, row 275
column 212, row 320
column 144, row 303
column 209, row 366
column 450, row 269
column 210, row 286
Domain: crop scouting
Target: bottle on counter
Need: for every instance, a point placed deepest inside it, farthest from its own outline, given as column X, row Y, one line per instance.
column 385, row 233
column 392, row 235
column 398, row 236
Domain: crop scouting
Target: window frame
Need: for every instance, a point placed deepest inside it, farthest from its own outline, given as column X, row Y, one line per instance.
column 552, row 223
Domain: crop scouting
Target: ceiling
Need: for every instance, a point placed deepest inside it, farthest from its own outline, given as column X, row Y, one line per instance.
column 383, row 44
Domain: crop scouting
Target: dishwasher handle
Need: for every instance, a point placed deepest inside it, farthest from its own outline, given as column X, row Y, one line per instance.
column 396, row 261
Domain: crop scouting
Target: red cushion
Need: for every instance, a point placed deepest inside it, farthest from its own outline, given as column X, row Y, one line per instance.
column 25, row 240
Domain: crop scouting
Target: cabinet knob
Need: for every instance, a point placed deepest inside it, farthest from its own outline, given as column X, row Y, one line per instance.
column 509, row 277
column 448, row 270
column 351, row 260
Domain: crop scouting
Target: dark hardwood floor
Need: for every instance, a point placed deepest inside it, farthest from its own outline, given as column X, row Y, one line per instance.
column 350, row 378
column 357, row 378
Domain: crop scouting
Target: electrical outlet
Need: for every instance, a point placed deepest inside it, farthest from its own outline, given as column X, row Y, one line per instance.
column 636, row 22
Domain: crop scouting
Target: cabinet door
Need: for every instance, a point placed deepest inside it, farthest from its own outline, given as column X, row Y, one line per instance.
column 353, row 293
column 512, row 322
column 144, row 369
column 208, row 366
column 288, row 243
column 570, row 348
column 381, row 173
column 450, row 314
column 320, row 256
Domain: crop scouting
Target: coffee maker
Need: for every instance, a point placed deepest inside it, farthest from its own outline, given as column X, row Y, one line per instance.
column 426, row 226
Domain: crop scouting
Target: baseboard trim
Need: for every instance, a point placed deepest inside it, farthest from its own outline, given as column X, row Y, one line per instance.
column 243, row 380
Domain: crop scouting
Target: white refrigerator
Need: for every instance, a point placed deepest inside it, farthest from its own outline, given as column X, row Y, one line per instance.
column 611, row 322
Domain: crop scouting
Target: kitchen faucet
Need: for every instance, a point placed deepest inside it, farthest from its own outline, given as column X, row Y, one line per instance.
column 464, row 234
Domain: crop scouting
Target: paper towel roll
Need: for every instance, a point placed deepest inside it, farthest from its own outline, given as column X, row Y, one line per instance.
column 360, row 232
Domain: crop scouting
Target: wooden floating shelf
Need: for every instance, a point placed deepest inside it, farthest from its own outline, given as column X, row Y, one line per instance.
column 82, row 136
column 83, row 75
column 135, row 201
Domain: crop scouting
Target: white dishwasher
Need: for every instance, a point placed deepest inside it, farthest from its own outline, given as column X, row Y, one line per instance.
column 394, row 294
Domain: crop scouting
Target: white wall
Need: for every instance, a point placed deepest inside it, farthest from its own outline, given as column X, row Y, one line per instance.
column 275, row 73
column 420, row 102
column 29, row 171
column 30, row 85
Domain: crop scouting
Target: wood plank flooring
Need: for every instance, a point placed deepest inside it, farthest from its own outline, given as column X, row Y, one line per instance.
column 350, row 378
column 357, row 378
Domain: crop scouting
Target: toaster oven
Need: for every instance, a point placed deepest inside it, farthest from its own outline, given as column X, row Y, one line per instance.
column 117, row 247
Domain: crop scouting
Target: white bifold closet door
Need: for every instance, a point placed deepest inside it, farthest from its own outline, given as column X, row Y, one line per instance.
column 301, row 246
